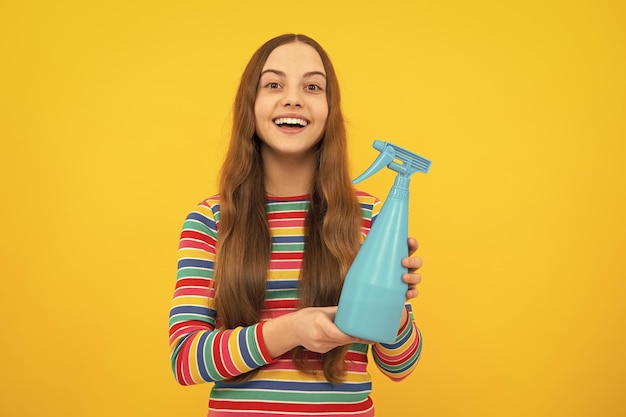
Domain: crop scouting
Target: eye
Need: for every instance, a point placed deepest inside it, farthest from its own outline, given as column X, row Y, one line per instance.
column 272, row 85
column 313, row 87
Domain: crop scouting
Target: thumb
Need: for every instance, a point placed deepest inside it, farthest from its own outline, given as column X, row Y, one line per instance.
column 329, row 311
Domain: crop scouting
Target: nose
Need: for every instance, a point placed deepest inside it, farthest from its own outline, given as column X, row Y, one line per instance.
column 292, row 98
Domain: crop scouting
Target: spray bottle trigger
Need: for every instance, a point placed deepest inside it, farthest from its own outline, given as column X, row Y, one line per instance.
column 385, row 158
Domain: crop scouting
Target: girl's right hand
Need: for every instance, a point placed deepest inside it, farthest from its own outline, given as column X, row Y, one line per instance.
column 311, row 327
column 317, row 332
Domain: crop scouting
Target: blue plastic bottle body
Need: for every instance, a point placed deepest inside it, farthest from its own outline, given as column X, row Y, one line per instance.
column 373, row 294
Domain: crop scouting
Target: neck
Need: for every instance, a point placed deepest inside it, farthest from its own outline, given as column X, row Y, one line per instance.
column 286, row 177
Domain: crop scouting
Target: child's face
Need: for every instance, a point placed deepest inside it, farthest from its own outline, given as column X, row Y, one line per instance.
column 291, row 106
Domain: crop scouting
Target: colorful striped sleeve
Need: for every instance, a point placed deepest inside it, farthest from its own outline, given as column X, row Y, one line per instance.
column 399, row 358
column 198, row 351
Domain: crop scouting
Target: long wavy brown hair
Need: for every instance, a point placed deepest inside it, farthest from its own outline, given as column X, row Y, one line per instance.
column 332, row 225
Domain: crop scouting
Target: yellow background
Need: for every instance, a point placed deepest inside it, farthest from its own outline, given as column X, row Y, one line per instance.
column 114, row 118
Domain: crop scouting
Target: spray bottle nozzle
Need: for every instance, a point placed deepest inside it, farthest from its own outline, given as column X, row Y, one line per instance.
column 389, row 154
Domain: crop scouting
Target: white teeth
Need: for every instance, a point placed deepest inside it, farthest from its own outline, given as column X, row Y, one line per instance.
column 290, row 121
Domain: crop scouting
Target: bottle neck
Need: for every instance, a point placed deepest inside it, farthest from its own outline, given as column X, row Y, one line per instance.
column 400, row 188
column 402, row 182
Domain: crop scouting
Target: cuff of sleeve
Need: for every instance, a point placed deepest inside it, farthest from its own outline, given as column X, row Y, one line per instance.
column 262, row 346
column 407, row 307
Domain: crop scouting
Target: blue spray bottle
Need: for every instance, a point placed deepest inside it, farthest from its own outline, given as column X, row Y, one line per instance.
column 373, row 294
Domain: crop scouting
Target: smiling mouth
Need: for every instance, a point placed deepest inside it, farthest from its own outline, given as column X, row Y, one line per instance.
column 290, row 122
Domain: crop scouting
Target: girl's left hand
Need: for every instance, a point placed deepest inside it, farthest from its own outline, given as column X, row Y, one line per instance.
column 413, row 263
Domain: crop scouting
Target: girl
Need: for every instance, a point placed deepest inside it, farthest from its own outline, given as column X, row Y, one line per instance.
column 262, row 263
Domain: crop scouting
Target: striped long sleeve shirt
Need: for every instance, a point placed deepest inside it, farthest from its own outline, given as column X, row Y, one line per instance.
column 202, row 352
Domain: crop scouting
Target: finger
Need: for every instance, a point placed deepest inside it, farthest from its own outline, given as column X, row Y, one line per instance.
column 412, row 279
column 338, row 337
column 413, row 245
column 412, row 263
column 412, row 293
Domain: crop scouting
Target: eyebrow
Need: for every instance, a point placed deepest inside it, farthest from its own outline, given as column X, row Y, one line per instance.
column 282, row 74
